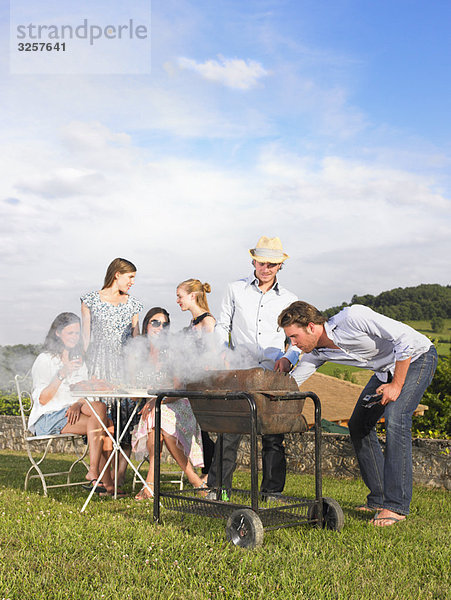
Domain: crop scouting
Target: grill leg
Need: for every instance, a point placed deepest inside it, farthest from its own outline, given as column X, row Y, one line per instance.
column 156, row 475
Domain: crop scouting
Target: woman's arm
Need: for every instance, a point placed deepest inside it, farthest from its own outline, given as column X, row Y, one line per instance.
column 66, row 370
column 85, row 325
column 135, row 325
column 49, row 392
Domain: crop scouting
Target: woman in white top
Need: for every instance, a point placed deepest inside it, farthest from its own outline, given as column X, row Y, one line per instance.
column 54, row 411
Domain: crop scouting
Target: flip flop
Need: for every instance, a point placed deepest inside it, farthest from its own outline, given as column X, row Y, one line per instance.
column 394, row 519
column 100, row 489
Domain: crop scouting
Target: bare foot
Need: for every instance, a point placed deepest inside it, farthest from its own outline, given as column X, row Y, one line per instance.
column 145, row 493
column 91, row 475
column 386, row 518
column 110, row 492
column 365, row 508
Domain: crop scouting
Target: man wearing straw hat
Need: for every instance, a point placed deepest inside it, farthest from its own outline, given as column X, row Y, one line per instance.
column 248, row 324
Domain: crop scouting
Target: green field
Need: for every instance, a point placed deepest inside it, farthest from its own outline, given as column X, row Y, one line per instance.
column 441, row 339
column 49, row 551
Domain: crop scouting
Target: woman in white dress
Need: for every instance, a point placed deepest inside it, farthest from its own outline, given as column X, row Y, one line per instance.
column 179, row 428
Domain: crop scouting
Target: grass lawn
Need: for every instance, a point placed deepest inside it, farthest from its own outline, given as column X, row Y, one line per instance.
column 51, row 551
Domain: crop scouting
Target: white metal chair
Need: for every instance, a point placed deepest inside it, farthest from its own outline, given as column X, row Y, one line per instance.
column 23, row 386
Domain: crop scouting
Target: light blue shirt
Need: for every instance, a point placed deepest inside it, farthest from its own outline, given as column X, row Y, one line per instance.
column 249, row 316
column 365, row 339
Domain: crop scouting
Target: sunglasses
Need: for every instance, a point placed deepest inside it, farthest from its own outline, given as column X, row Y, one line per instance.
column 155, row 323
column 269, row 265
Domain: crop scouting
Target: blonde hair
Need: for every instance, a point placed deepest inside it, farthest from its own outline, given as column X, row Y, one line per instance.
column 118, row 265
column 194, row 286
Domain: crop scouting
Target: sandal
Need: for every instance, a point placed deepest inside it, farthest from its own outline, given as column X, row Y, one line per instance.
column 393, row 520
column 100, row 489
column 204, row 489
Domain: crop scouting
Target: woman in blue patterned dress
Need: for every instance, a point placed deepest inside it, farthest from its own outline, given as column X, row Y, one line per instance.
column 109, row 320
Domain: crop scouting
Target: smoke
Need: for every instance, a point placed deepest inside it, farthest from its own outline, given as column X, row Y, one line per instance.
column 167, row 360
column 164, row 361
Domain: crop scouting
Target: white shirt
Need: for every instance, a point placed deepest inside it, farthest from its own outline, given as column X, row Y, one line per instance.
column 365, row 339
column 44, row 369
column 249, row 316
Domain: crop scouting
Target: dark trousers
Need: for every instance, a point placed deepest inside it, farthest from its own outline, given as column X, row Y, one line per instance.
column 208, row 446
column 273, row 461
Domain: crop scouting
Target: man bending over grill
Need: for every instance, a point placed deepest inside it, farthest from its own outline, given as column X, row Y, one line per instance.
column 403, row 362
column 248, row 324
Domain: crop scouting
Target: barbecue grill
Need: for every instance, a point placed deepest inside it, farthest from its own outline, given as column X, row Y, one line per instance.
column 255, row 402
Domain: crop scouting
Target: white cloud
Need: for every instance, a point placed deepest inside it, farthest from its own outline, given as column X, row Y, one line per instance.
column 235, row 73
column 343, row 223
column 177, row 175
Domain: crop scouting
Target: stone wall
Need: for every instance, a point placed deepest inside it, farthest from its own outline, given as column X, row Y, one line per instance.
column 431, row 458
column 11, row 438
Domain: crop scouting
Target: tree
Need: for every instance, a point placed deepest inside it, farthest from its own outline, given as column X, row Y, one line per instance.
column 437, row 324
column 438, row 398
column 425, row 301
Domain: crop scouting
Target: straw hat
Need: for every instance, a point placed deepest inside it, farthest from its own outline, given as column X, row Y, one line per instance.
column 268, row 250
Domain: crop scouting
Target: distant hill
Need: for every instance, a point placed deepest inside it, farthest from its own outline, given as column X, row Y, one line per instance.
column 425, row 301
column 15, row 359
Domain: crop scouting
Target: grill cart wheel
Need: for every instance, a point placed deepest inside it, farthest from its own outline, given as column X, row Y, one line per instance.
column 245, row 529
column 333, row 517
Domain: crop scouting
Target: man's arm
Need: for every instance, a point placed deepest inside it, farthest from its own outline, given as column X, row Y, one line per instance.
column 376, row 325
column 306, row 366
column 292, row 354
column 224, row 323
column 390, row 391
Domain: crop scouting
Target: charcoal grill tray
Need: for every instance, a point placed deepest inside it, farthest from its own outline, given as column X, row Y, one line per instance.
column 222, row 408
column 225, row 411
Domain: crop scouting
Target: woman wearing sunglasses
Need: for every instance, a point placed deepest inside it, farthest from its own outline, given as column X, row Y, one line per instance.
column 179, row 428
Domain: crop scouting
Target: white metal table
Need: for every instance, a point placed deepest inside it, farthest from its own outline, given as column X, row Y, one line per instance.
column 135, row 394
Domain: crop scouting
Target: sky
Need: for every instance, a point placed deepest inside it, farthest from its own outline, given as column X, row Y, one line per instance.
column 323, row 122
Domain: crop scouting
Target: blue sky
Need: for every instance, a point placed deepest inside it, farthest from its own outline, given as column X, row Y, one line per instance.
column 325, row 123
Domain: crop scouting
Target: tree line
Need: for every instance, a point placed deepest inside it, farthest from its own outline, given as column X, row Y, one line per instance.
column 428, row 301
